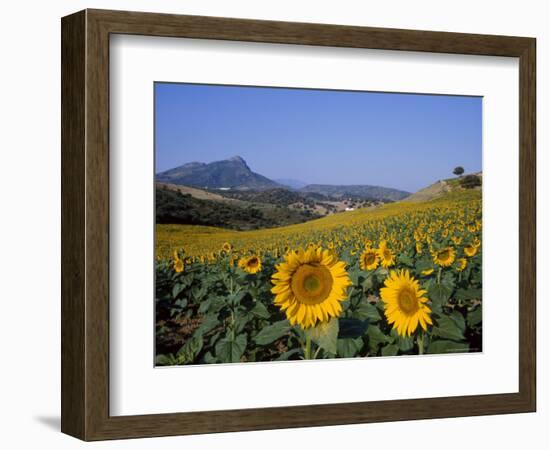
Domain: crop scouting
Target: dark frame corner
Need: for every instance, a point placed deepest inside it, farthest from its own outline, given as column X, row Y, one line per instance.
column 85, row 224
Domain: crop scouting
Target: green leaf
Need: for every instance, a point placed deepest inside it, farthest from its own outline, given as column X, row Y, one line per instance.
column 443, row 346
column 348, row 348
column 468, row 294
column 209, row 359
column 448, row 280
column 231, row 350
column 474, row 317
column 376, row 338
column 240, row 322
column 208, row 324
column 205, row 306
column 165, row 360
column 369, row 282
column 439, row 294
column 405, row 259
column 211, row 305
column 458, row 318
column 188, row 351
column 403, row 343
column 325, row 335
column 367, row 311
column 237, row 298
column 177, row 289
column 260, row 311
column 447, row 328
column 356, row 276
column 423, row 264
column 390, row 350
column 286, row 355
column 272, row 332
column 352, row 328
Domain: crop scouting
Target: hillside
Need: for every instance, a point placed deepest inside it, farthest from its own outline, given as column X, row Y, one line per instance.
column 175, row 207
column 232, row 173
column 365, row 192
column 440, row 188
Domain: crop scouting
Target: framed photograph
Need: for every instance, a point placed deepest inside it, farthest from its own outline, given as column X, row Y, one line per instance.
column 273, row 225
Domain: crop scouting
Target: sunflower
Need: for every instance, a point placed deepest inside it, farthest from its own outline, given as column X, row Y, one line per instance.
column 226, row 247
column 387, row 258
column 419, row 248
column 369, row 259
column 405, row 303
column 251, row 264
column 178, row 265
column 309, row 286
column 457, row 240
column 470, row 250
column 444, row 257
column 461, row 264
column 427, row 272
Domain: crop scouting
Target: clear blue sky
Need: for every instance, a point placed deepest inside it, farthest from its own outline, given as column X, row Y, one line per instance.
column 404, row 141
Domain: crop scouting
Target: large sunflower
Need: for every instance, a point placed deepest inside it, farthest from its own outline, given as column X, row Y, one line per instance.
column 309, row 286
column 387, row 258
column 405, row 303
column 369, row 259
column 251, row 264
column 444, row 257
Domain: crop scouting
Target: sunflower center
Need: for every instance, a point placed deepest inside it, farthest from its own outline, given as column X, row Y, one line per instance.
column 444, row 255
column 387, row 254
column 311, row 283
column 407, row 300
column 253, row 262
column 369, row 258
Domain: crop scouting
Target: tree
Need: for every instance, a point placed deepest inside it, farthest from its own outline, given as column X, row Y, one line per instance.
column 470, row 181
column 458, row 170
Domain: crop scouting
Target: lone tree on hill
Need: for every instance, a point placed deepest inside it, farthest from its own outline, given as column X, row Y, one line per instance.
column 458, row 171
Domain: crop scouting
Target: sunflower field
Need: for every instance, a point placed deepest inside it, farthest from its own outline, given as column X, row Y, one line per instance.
column 402, row 279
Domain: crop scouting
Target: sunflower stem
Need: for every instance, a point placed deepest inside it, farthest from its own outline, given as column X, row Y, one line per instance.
column 307, row 350
column 439, row 276
column 420, row 342
column 316, row 352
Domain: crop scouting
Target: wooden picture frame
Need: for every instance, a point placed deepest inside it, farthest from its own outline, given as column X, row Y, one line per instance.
column 85, row 224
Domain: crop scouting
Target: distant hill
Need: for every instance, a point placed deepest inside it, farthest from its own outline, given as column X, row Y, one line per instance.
column 278, row 196
column 232, row 173
column 440, row 188
column 357, row 191
column 289, row 182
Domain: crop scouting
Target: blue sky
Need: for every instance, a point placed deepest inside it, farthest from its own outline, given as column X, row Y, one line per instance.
column 404, row 141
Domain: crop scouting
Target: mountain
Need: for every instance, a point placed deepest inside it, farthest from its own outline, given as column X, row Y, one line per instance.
column 357, row 190
column 289, row 182
column 231, row 173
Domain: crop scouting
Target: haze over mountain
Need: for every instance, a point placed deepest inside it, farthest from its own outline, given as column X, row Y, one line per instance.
column 361, row 191
column 232, row 173
column 291, row 183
